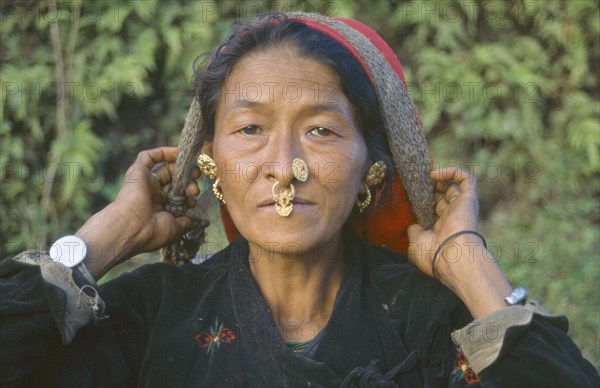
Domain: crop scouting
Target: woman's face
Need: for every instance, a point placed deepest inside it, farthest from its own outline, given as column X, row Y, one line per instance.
column 274, row 107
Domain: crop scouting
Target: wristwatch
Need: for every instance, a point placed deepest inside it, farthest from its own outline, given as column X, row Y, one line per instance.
column 71, row 251
column 517, row 296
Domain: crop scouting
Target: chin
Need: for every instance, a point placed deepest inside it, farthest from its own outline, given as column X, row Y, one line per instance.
column 293, row 241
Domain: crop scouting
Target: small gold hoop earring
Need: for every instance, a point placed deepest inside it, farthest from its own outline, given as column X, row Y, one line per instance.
column 207, row 165
column 362, row 205
column 217, row 192
column 376, row 173
column 283, row 200
column 300, row 169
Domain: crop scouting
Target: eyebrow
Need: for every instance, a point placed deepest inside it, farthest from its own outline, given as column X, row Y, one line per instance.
column 328, row 108
column 243, row 104
column 319, row 107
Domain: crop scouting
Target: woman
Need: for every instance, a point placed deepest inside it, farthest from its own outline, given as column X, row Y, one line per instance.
column 304, row 127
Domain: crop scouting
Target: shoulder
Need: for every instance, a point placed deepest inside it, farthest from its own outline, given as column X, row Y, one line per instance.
column 392, row 269
column 153, row 280
column 403, row 290
column 418, row 308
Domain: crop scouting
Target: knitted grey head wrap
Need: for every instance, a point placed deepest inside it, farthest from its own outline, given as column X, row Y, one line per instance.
column 400, row 118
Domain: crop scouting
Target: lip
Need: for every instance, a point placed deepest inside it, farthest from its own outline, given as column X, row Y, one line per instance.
column 296, row 201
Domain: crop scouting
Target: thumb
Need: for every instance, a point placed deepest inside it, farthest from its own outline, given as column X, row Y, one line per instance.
column 414, row 231
column 185, row 224
column 417, row 254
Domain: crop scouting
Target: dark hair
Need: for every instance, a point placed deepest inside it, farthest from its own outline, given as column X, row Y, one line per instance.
column 276, row 30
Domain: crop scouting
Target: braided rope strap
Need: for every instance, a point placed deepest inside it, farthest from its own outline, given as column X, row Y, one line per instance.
column 189, row 147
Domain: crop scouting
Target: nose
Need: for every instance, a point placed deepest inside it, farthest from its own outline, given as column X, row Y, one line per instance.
column 278, row 163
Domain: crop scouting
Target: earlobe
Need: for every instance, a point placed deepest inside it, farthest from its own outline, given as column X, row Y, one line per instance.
column 363, row 188
column 365, row 168
column 207, row 149
column 363, row 174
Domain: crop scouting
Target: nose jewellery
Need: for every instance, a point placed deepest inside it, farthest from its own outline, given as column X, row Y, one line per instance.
column 283, row 200
column 300, row 169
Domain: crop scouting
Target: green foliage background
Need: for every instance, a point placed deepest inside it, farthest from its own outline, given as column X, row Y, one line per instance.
column 506, row 89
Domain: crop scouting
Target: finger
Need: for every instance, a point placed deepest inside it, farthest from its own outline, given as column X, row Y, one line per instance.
column 465, row 181
column 196, row 173
column 441, row 187
column 452, row 192
column 191, row 202
column 441, row 207
column 170, row 228
column 185, row 224
column 172, row 169
column 158, row 199
column 149, row 158
column 146, row 160
column 157, row 178
column 439, row 196
column 165, row 192
column 192, row 189
column 161, row 174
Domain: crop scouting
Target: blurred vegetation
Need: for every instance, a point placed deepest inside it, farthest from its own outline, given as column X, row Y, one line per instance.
column 506, row 89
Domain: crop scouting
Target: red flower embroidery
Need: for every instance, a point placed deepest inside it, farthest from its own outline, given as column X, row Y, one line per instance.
column 214, row 337
column 203, row 339
column 226, row 336
column 462, row 365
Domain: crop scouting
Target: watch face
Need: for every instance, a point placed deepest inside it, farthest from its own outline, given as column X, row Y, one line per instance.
column 68, row 251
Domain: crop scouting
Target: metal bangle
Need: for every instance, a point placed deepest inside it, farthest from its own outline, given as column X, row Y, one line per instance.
column 439, row 249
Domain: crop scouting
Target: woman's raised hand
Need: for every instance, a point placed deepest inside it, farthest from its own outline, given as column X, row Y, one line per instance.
column 137, row 221
column 457, row 209
column 463, row 264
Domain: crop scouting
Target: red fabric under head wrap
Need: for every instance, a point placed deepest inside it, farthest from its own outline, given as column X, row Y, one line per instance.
column 384, row 223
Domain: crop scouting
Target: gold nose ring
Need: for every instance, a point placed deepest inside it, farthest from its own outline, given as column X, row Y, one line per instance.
column 283, row 200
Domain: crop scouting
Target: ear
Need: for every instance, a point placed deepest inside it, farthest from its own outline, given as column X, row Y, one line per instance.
column 363, row 174
column 207, row 148
column 363, row 189
column 368, row 163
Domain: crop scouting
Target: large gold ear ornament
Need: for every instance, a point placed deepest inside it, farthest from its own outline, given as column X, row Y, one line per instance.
column 376, row 174
column 217, row 192
column 207, row 166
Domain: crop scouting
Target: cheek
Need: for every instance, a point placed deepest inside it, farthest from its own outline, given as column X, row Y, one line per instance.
column 228, row 157
column 344, row 173
column 349, row 165
column 230, row 171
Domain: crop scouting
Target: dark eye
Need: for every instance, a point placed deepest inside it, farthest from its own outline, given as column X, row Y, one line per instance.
column 320, row 131
column 251, row 130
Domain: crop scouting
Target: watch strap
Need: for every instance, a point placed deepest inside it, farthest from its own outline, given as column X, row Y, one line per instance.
column 82, row 276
